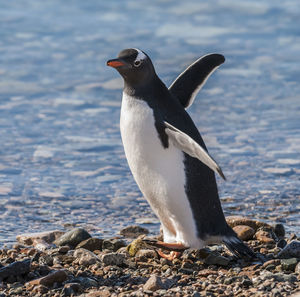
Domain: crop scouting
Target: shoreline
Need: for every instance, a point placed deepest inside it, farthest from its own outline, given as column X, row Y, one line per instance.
column 56, row 263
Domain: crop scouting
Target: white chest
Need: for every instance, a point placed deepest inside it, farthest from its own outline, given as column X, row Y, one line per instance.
column 158, row 171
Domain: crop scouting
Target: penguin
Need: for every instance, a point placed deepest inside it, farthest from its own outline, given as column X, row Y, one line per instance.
column 167, row 155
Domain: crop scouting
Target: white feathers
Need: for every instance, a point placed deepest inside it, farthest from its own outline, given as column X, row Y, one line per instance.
column 185, row 143
column 140, row 56
column 159, row 172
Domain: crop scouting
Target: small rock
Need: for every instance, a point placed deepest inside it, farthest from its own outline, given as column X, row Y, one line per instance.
column 202, row 253
column 71, row 289
column 291, row 250
column 289, row 264
column 102, row 293
column 281, row 243
column 279, row 230
column 91, row 244
column 135, row 246
column 85, row 257
column 113, row 244
column 73, row 237
column 15, row 269
column 144, row 254
column 40, row 289
column 63, row 249
column 87, row 282
column 46, row 260
column 207, row 272
column 113, row 259
column 155, row 283
column 133, row 231
column 297, row 269
column 58, row 276
column 215, row 259
column 233, row 221
column 244, row 232
column 48, row 237
column 264, row 237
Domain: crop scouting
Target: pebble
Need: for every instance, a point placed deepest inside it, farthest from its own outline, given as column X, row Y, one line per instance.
column 144, row 254
column 113, row 244
column 73, row 237
column 216, row 259
column 233, row 221
column 15, row 269
column 290, row 250
column 57, row 276
column 91, row 244
column 289, row 264
column 155, row 283
column 244, row 232
column 85, row 257
column 279, row 230
column 32, row 238
column 133, row 231
column 264, row 236
column 113, row 259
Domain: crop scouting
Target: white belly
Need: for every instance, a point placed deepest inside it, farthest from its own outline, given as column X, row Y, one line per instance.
column 159, row 172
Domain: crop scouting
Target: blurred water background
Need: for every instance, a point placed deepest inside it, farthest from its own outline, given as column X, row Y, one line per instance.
column 61, row 158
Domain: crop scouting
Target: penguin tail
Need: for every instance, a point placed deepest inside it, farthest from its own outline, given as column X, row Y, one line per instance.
column 238, row 247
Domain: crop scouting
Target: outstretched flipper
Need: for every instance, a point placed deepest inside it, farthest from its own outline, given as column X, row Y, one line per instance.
column 187, row 85
column 185, row 143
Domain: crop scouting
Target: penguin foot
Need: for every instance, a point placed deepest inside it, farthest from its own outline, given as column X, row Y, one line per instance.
column 173, row 255
column 171, row 246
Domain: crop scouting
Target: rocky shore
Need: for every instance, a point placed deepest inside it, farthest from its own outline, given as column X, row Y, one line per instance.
column 73, row 263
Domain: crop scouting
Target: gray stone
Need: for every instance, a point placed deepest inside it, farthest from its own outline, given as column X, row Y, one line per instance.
column 216, row 259
column 113, row 259
column 291, row 250
column 279, row 230
column 133, row 231
column 85, row 257
column 155, row 283
column 113, row 244
column 289, row 264
column 87, row 282
column 71, row 289
column 91, row 244
column 15, row 269
column 144, row 254
column 73, row 237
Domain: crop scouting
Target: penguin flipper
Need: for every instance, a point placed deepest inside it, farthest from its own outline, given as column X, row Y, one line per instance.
column 187, row 85
column 185, row 143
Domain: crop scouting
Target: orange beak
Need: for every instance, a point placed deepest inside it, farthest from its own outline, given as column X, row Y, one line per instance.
column 115, row 63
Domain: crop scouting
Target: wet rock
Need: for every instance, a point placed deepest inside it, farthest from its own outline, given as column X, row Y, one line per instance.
column 15, row 269
column 87, row 282
column 85, row 257
column 264, row 236
column 46, row 260
column 233, row 221
column 71, row 289
column 244, row 232
column 155, row 283
column 135, row 246
column 91, row 244
column 291, row 250
column 113, row 244
column 216, row 259
column 279, row 230
column 102, row 293
column 113, row 259
column 31, row 238
column 58, row 276
column 289, row 264
column 133, row 231
column 73, row 237
column 281, row 243
column 144, row 254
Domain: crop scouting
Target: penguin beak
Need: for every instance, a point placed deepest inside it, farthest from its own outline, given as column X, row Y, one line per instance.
column 115, row 63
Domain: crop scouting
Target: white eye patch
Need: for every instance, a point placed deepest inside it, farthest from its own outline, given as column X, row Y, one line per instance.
column 140, row 56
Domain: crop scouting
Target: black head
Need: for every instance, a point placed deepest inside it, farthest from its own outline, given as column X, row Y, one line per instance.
column 135, row 67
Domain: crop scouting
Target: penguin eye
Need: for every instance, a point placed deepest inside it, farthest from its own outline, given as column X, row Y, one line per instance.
column 137, row 63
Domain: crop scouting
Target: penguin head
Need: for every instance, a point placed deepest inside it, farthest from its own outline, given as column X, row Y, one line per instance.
column 134, row 66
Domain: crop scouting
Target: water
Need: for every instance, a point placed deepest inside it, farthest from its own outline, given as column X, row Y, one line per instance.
column 61, row 158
